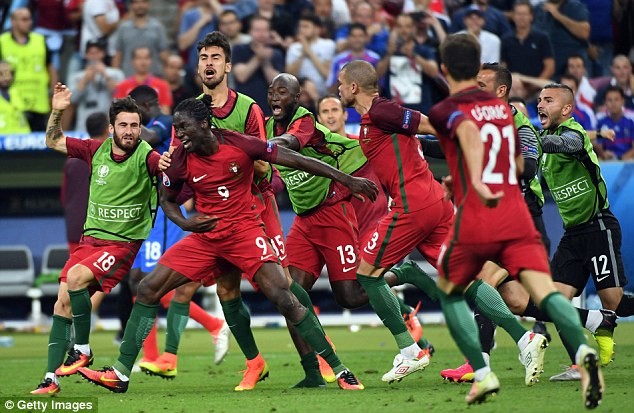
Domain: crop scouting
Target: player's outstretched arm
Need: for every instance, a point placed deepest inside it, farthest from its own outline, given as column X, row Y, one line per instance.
column 55, row 138
column 358, row 186
column 198, row 223
column 473, row 149
column 287, row 141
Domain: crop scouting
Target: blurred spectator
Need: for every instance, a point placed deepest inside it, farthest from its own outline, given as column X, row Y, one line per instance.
column 230, row 25
column 76, row 182
column 142, row 63
column 332, row 114
column 340, row 12
column 12, row 119
column 378, row 34
column 100, row 19
column 600, row 48
column 33, row 70
column 576, row 67
column 431, row 29
column 490, row 43
column 93, row 87
column 308, row 94
column 405, row 64
column 282, row 24
column 195, row 24
column 311, row 56
column 324, row 10
column 566, row 22
column 51, row 21
column 257, row 63
column 623, row 12
column 357, row 39
column 581, row 112
column 157, row 129
column 494, row 20
column 622, row 77
column 137, row 31
column 621, row 121
column 174, row 74
column 527, row 51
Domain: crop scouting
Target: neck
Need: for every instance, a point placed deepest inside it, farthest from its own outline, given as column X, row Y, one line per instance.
column 341, row 131
column 364, row 102
column 141, row 21
column 522, row 32
column 141, row 77
column 210, row 145
column 20, row 37
column 617, row 115
column 219, row 94
column 456, row 86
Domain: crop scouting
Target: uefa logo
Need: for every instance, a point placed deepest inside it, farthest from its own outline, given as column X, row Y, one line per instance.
column 103, row 171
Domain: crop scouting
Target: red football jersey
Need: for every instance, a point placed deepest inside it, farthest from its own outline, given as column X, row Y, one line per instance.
column 475, row 222
column 221, row 182
column 386, row 138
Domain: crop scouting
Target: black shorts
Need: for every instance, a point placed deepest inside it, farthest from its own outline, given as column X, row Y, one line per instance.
column 594, row 249
column 541, row 228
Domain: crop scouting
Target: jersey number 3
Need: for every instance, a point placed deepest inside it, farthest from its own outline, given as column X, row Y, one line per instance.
column 491, row 131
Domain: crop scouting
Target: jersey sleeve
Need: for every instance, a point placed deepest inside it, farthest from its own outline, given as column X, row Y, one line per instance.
column 445, row 118
column 255, row 123
column 528, row 142
column 391, row 117
column 82, row 148
column 303, row 129
column 153, row 163
column 174, row 177
column 253, row 147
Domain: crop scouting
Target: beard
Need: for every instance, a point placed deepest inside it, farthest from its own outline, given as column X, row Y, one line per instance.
column 127, row 143
column 215, row 81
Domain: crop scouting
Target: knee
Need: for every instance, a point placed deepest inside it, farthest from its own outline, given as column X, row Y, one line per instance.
column 62, row 307
column 184, row 293
column 284, row 300
column 146, row 294
column 77, row 278
column 612, row 300
column 349, row 294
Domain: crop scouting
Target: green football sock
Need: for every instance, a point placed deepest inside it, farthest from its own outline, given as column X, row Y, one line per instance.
column 139, row 325
column 58, row 342
column 82, row 307
column 311, row 369
column 310, row 330
column 404, row 308
column 491, row 305
column 563, row 314
column 177, row 318
column 411, row 273
column 463, row 329
column 303, row 297
column 239, row 321
column 386, row 307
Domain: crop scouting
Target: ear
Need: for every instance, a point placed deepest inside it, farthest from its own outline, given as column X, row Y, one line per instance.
column 228, row 67
column 501, row 91
column 111, row 129
column 567, row 109
column 443, row 69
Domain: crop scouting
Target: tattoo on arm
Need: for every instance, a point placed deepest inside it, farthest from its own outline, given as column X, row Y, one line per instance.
column 54, row 130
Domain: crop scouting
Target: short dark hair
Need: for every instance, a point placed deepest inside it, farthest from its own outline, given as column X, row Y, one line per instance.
column 358, row 26
column 330, row 96
column 569, row 76
column 197, row 109
column 97, row 124
column 460, row 53
column 363, row 73
column 126, row 104
column 313, row 18
column 143, row 93
column 576, row 56
column 216, row 39
column 517, row 99
column 524, row 3
column 136, row 49
column 614, row 88
column 560, row 86
column 502, row 75
column 227, row 12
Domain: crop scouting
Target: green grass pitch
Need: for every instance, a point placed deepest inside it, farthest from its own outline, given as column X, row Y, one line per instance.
column 203, row 387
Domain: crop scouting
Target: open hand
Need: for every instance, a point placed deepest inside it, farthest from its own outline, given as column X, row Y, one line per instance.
column 608, row 134
column 359, row 186
column 165, row 161
column 200, row 223
column 61, row 97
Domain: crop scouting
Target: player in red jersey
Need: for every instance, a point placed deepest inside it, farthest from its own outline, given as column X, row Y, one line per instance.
column 419, row 218
column 478, row 137
column 227, row 240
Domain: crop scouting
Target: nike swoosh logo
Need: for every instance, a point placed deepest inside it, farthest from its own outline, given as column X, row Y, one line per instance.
column 105, row 380
column 366, row 250
column 50, row 344
column 319, row 353
column 151, row 263
column 602, row 278
column 198, row 178
column 78, row 315
column 349, row 269
column 266, row 256
column 66, row 369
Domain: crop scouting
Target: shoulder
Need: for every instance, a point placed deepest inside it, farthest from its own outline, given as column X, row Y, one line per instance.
column 241, row 97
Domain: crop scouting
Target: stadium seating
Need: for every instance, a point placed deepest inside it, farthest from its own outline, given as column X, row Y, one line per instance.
column 53, row 260
column 17, row 270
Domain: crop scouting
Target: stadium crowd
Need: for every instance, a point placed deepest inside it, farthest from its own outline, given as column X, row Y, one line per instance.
column 391, row 62
column 104, row 48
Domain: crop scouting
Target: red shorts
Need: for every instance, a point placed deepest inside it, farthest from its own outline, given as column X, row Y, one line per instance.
column 109, row 261
column 398, row 233
column 461, row 263
column 202, row 259
column 328, row 236
column 273, row 226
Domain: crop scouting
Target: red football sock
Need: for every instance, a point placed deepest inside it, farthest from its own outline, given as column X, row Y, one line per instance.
column 212, row 324
column 150, row 345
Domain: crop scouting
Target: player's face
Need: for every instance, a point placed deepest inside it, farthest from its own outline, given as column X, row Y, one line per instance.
column 126, row 131
column 345, row 91
column 332, row 115
column 212, row 66
column 281, row 100
column 551, row 107
column 486, row 81
column 576, row 67
column 190, row 132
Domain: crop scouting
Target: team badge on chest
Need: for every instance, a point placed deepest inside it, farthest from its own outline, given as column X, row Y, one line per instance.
column 364, row 132
column 234, row 167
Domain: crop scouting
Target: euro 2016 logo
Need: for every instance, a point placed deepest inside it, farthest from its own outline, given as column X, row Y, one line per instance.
column 102, row 172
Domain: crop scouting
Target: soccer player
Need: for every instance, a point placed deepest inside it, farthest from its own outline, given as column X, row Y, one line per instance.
column 240, row 113
column 496, row 79
column 592, row 238
column 119, row 218
column 227, row 240
column 478, row 137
